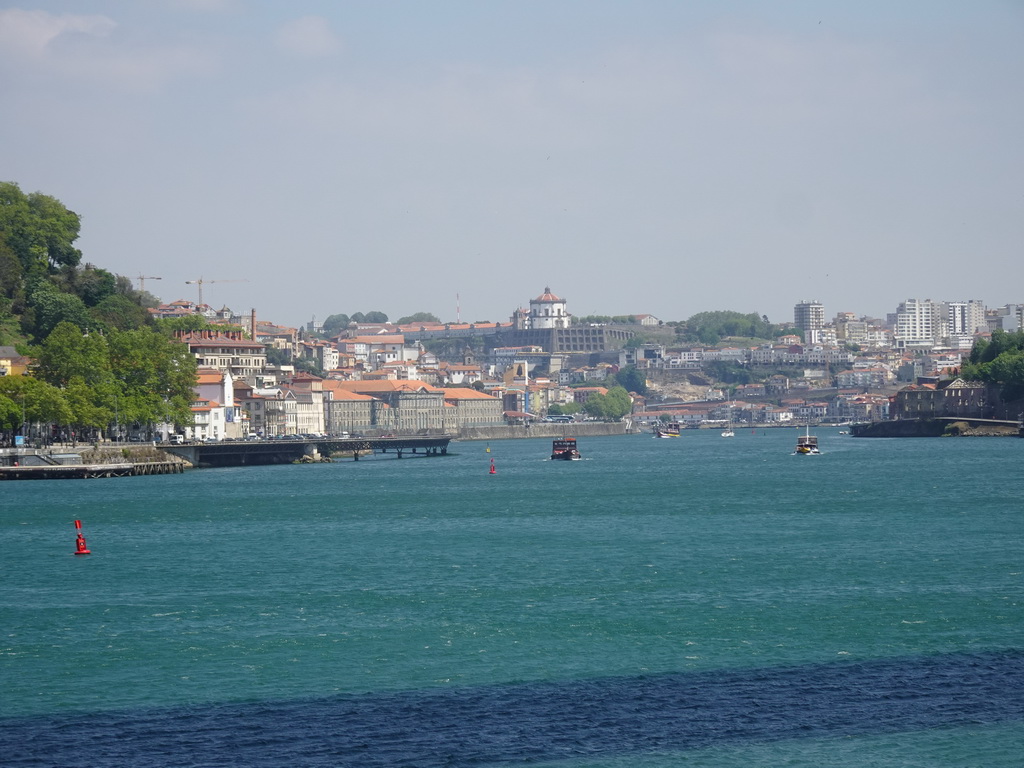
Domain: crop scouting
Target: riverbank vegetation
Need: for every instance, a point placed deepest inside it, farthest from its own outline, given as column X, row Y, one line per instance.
column 1000, row 362
column 101, row 361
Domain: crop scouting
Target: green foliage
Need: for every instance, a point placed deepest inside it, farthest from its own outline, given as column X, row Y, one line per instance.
column 613, row 405
column 39, row 229
column 727, row 372
column 564, row 409
column 169, row 326
column 999, row 361
column 632, row 380
column 334, row 324
column 51, row 308
column 605, row 320
column 120, row 312
column 10, row 413
column 132, row 376
column 711, row 327
column 36, row 400
column 67, row 353
column 418, row 317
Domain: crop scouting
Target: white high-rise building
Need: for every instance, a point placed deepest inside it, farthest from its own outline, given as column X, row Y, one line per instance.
column 809, row 317
column 915, row 324
column 964, row 319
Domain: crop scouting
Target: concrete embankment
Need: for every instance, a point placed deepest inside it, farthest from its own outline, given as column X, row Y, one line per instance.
column 67, row 461
column 933, row 428
column 550, row 431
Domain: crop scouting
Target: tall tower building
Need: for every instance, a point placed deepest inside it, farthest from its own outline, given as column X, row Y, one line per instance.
column 809, row 317
column 917, row 323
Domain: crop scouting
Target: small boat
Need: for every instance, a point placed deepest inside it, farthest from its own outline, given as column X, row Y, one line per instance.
column 728, row 431
column 807, row 443
column 671, row 429
column 565, row 449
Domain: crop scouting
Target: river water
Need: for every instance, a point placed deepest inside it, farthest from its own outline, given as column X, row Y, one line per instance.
column 694, row 601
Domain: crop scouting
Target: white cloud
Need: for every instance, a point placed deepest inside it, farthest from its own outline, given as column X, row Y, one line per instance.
column 75, row 48
column 30, row 33
column 309, row 36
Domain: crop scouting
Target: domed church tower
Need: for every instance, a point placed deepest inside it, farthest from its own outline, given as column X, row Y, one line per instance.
column 548, row 311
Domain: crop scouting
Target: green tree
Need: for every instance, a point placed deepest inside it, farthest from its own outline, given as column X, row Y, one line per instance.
column 68, row 353
column 334, row 324
column 564, row 409
column 711, row 327
column 632, row 380
column 156, row 376
column 613, row 405
column 418, row 317
column 40, row 402
column 120, row 312
column 39, row 229
column 51, row 307
column 375, row 317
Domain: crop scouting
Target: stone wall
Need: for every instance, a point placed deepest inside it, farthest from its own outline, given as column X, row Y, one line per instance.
column 550, row 431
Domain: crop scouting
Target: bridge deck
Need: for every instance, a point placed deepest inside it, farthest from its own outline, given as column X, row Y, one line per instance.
column 246, row 452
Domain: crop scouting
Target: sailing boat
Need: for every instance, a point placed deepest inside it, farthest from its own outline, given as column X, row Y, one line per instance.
column 727, row 432
column 807, row 443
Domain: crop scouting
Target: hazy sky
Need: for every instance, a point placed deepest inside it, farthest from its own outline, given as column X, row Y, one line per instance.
column 641, row 156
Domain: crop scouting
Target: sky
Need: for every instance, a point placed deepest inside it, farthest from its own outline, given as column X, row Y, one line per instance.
column 308, row 158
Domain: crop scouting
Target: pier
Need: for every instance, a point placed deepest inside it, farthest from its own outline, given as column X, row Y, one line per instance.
column 239, row 453
column 46, row 471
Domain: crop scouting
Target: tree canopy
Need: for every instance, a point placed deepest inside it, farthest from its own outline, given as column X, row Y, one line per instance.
column 418, row 317
column 614, row 405
column 712, row 327
column 999, row 361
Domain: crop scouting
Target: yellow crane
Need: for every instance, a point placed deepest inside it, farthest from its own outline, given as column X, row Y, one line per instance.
column 201, row 282
column 143, row 278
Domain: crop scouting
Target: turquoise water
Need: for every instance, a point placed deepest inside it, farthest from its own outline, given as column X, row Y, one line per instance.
column 727, row 566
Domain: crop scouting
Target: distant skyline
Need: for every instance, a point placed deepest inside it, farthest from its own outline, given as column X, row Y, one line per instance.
column 645, row 157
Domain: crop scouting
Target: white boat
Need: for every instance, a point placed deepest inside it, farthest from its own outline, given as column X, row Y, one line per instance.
column 807, row 443
column 728, row 431
column 671, row 429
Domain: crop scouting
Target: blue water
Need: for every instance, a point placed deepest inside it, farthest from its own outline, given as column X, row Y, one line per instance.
column 696, row 601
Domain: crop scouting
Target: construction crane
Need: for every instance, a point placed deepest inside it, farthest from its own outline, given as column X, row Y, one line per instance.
column 201, row 282
column 143, row 278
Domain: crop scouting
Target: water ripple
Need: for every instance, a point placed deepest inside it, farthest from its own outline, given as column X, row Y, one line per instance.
column 529, row 723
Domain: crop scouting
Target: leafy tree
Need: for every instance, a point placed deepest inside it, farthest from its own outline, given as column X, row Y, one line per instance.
column 11, row 271
column 120, row 312
column 564, row 409
column 375, row 317
column 10, row 414
column 730, row 373
column 156, row 374
column 419, row 317
column 40, row 402
column 51, row 307
column 998, row 361
column 711, row 327
column 93, row 285
column 68, row 353
column 334, row 324
column 632, row 380
column 39, row 229
column 613, row 405
column 89, row 414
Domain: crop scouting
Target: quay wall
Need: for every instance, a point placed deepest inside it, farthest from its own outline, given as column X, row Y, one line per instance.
column 933, row 428
column 545, row 430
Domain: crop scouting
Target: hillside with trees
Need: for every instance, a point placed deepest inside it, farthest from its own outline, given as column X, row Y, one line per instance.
column 1000, row 362
column 102, row 362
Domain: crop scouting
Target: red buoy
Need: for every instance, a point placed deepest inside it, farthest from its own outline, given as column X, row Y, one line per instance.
column 80, row 545
column 493, row 470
